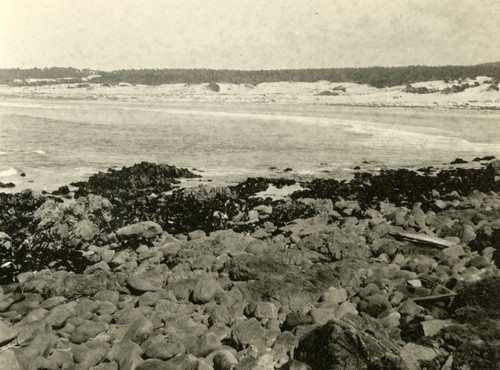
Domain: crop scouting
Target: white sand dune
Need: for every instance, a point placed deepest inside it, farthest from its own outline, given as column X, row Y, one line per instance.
column 476, row 97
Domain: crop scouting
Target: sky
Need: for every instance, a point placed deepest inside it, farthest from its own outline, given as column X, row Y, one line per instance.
column 247, row 34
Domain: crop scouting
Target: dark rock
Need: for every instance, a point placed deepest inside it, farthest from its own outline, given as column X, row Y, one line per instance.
column 477, row 298
column 350, row 343
column 7, row 185
column 135, row 179
column 63, row 190
column 295, row 365
column 458, row 161
column 296, row 318
column 213, row 87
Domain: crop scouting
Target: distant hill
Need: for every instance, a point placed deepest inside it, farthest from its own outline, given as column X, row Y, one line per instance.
column 374, row 76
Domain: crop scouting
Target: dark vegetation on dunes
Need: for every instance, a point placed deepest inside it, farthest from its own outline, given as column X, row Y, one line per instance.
column 374, row 76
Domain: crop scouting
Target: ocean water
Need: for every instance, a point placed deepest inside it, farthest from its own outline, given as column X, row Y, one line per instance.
column 55, row 142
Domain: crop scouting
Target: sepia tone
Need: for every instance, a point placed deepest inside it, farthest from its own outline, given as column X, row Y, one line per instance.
column 236, row 185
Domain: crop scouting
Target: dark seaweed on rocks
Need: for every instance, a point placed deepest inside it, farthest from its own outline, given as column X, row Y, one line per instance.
column 16, row 212
column 139, row 178
column 402, row 187
column 254, row 185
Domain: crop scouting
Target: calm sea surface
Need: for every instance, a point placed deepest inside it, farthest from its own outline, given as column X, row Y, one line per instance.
column 55, row 142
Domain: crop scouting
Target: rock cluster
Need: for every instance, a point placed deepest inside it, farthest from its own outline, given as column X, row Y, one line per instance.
column 326, row 280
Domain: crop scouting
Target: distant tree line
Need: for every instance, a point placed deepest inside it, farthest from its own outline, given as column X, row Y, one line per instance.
column 374, row 76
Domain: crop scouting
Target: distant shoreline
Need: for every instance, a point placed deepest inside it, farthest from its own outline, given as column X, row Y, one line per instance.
column 471, row 95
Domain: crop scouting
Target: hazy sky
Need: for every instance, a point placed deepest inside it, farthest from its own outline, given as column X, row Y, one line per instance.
column 247, row 34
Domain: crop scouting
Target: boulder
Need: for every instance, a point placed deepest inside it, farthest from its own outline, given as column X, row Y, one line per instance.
column 149, row 280
column 348, row 344
column 7, row 333
column 224, row 360
column 334, row 296
column 87, row 331
column 206, row 290
column 126, row 353
column 145, row 229
column 139, row 330
column 246, row 332
column 196, row 234
column 158, row 347
column 8, row 360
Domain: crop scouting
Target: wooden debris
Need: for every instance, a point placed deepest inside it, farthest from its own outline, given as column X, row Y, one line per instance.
column 433, row 297
column 426, row 239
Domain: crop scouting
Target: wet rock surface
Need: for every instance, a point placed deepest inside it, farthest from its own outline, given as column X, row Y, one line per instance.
column 391, row 271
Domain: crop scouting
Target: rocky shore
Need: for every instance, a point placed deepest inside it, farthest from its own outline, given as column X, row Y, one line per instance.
column 396, row 270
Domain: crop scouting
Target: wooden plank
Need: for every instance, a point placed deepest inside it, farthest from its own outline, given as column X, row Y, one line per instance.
column 426, row 239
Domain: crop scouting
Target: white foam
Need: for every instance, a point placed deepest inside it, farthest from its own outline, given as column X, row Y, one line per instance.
column 11, row 171
column 3, row 153
column 39, row 151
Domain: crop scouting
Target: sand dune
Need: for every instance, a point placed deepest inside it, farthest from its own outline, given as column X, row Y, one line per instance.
column 322, row 93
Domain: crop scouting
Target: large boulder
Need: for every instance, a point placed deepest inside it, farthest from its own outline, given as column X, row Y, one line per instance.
column 352, row 343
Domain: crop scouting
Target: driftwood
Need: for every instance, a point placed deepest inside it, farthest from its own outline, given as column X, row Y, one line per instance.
column 426, row 239
column 434, row 297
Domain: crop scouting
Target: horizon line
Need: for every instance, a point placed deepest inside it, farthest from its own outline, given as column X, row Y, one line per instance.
column 250, row 70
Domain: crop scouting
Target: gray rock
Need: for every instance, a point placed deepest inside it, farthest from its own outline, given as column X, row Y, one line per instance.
column 246, row 332
column 107, row 296
column 52, row 302
column 262, row 310
column 206, row 290
column 224, row 360
column 87, row 331
column 139, row 330
column 145, row 229
column 8, row 360
column 126, row 353
column 150, row 280
column 38, row 339
column 59, row 314
column 197, row 234
column 184, row 362
column 434, row 327
column 334, row 296
column 203, row 345
column 413, row 353
column 7, row 333
column 158, row 347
